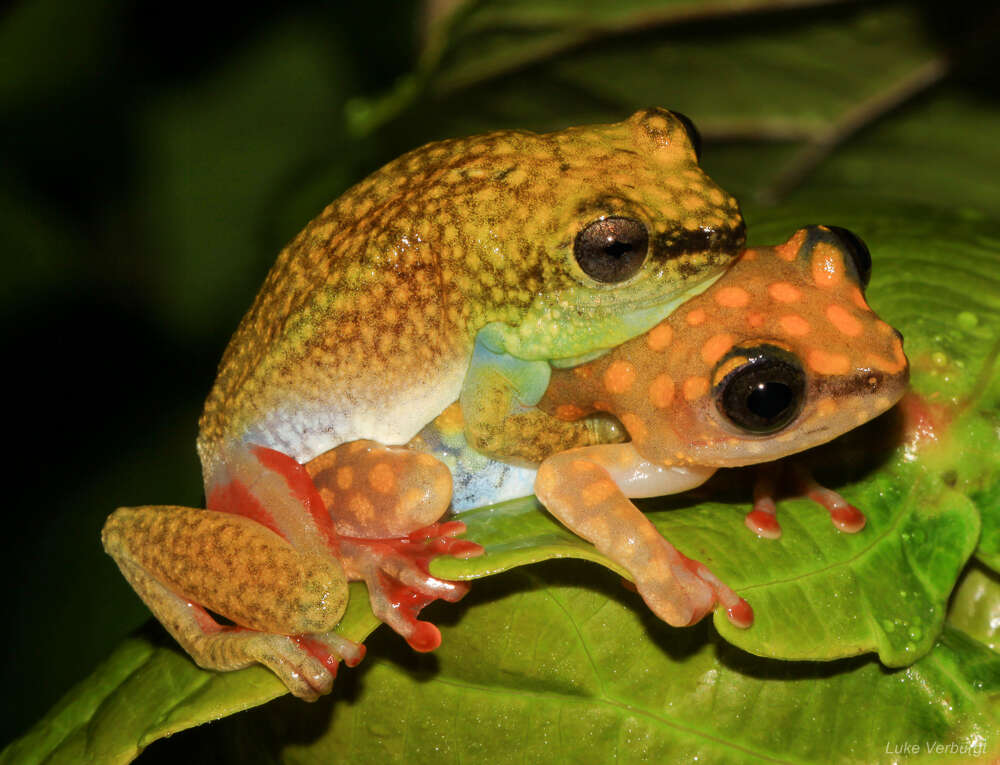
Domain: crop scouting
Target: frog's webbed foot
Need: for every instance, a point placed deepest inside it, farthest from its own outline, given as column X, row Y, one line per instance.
column 396, row 572
column 763, row 518
column 377, row 496
column 580, row 489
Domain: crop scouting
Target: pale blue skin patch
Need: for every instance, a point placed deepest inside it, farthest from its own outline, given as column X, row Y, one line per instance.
column 478, row 480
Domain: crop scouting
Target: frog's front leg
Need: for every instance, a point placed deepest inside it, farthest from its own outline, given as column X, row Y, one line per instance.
column 385, row 503
column 763, row 518
column 284, row 602
column 586, row 489
column 498, row 401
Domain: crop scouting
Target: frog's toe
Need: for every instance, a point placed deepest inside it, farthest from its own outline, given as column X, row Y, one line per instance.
column 306, row 669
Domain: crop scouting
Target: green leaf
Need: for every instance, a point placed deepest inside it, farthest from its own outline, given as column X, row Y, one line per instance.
column 553, row 664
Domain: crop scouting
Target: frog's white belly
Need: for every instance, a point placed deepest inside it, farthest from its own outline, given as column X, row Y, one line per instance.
column 304, row 427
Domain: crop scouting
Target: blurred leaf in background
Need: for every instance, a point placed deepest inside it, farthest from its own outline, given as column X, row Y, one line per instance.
column 156, row 160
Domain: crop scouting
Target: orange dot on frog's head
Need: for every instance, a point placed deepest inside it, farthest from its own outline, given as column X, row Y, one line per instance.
column 784, row 292
column 843, row 320
column 659, row 337
column 696, row 317
column 827, row 265
column 695, row 387
column 618, row 377
column 732, row 297
column 755, row 320
column 825, row 363
column 715, row 348
column 661, row 391
column 794, row 325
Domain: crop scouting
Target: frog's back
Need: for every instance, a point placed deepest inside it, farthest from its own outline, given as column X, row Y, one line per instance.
column 364, row 327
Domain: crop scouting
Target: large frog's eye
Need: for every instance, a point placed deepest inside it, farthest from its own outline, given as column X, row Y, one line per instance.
column 611, row 250
column 694, row 136
column 858, row 251
column 765, row 393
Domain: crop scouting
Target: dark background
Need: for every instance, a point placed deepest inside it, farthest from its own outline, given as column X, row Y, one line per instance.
column 152, row 163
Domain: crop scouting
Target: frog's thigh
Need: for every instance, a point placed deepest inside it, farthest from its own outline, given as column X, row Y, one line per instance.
column 581, row 493
column 226, row 563
column 377, row 491
column 498, row 406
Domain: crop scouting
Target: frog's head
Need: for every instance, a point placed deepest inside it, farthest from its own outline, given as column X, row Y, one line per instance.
column 586, row 237
column 780, row 355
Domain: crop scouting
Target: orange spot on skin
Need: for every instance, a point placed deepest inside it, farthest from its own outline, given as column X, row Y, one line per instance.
column 635, row 426
column 359, row 507
column 827, row 266
column 825, row 363
column 794, row 325
column 715, row 348
column 695, row 317
column 345, row 477
column 784, row 292
column 695, row 387
column 659, row 337
column 569, row 412
column 597, row 492
column 381, row 478
column 755, row 320
column 583, row 371
column 889, row 366
column 732, row 297
column 843, row 321
column 661, row 391
column 602, row 406
column 618, row 377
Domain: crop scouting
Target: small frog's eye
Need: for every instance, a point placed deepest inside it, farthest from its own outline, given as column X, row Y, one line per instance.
column 611, row 250
column 858, row 251
column 694, row 136
column 765, row 393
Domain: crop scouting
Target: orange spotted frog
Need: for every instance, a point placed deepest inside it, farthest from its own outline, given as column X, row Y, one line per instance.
column 464, row 271
column 780, row 355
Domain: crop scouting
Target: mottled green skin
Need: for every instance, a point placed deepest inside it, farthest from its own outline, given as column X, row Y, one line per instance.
column 232, row 566
column 365, row 326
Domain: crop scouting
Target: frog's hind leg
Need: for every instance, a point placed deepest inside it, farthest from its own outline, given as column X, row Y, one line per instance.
column 284, row 603
column 385, row 503
column 580, row 488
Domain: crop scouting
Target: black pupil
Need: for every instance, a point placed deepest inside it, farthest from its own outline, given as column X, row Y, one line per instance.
column 616, row 249
column 769, row 399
